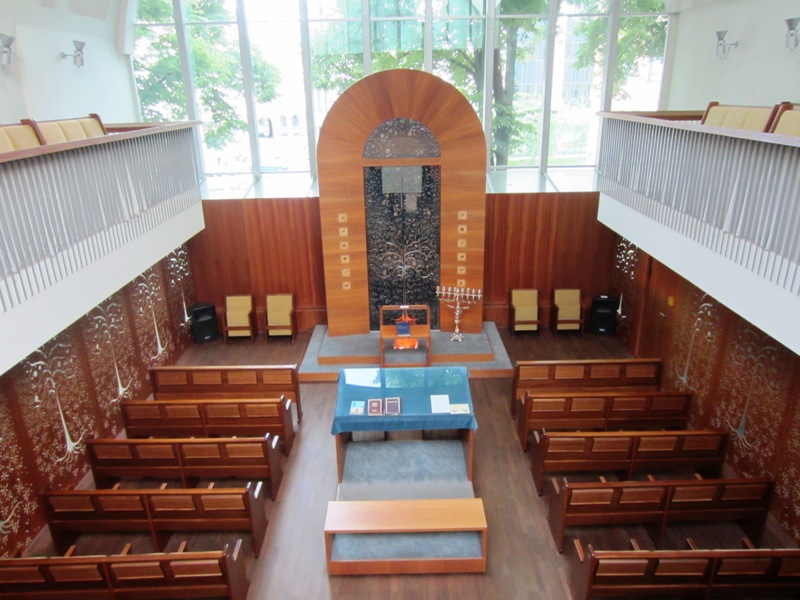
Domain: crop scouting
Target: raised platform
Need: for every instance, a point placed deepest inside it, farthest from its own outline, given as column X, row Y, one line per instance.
column 482, row 353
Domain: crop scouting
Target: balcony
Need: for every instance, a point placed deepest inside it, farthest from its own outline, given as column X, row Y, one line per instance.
column 720, row 207
column 82, row 219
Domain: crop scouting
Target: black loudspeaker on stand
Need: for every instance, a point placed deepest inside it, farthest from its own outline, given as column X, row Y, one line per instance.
column 204, row 322
column 603, row 315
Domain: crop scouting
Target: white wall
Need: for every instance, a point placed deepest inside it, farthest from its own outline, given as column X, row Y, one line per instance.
column 42, row 85
column 759, row 71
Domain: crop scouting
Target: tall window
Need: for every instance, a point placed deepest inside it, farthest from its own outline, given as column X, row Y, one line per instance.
column 261, row 105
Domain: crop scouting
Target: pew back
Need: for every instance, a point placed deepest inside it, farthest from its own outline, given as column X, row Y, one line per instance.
column 626, row 451
column 254, row 381
column 601, row 410
column 214, row 574
column 584, row 376
column 210, row 418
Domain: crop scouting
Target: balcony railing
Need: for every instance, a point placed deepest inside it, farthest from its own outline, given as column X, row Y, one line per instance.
column 68, row 210
column 735, row 194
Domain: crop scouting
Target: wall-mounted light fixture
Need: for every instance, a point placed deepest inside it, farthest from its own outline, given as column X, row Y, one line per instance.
column 5, row 50
column 792, row 36
column 723, row 47
column 77, row 56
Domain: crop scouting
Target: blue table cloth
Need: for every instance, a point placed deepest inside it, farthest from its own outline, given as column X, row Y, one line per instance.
column 414, row 386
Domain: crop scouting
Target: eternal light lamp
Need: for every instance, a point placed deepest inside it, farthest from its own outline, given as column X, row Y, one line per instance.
column 77, row 56
column 723, row 47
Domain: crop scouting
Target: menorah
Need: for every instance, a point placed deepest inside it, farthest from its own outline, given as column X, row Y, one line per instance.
column 459, row 299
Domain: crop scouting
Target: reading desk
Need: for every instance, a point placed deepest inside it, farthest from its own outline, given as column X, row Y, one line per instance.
column 414, row 387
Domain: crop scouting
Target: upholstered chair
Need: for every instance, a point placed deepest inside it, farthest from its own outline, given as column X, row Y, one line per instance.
column 280, row 315
column 239, row 321
column 567, row 310
column 523, row 310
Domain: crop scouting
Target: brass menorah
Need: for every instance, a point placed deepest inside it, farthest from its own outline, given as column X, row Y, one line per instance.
column 459, row 299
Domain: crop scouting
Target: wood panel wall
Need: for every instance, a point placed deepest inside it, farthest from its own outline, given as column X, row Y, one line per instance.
column 744, row 382
column 545, row 241
column 261, row 247
column 68, row 391
column 381, row 97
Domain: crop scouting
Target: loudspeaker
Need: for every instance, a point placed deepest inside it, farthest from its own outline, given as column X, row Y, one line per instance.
column 204, row 322
column 603, row 315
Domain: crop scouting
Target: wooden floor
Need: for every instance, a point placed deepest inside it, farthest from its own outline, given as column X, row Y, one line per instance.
column 522, row 559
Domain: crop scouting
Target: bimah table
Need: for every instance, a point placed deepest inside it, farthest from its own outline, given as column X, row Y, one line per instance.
column 414, row 387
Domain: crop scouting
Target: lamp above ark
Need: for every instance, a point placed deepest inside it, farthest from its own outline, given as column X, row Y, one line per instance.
column 77, row 56
column 5, row 50
column 723, row 47
column 792, row 36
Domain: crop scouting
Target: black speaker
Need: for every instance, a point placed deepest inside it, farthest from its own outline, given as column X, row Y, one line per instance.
column 603, row 315
column 204, row 322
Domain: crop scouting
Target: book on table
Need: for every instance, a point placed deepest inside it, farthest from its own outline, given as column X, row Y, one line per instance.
column 440, row 403
column 375, row 407
column 357, row 407
column 459, row 409
column 393, row 405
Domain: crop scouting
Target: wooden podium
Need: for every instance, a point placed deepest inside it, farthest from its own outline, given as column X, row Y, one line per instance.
column 417, row 332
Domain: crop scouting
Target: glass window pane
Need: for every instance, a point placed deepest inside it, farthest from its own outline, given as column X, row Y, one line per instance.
column 517, row 112
column 396, row 8
column 459, row 8
column 584, row 7
column 280, row 95
column 577, row 90
column 337, row 62
column 643, row 6
column 329, row 9
column 159, row 78
column 458, row 55
column 396, row 44
column 521, row 7
column 210, row 11
column 219, row 95
column 155, row 11
column 640, row 63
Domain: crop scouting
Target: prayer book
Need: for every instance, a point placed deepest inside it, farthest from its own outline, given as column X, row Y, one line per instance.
column 357, row 407
column 393, row 405
column 375, row 407
column 459, row 409
column 440, row 403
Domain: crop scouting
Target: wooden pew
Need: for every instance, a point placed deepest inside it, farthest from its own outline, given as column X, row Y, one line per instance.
column 626, row 451
column 161, row 512
column 253, row 381
column 214, row 574
column 658, row 503
column 684, row 573
column 187, row 459
column 601, row 410
column 461, row 516
column 583, row 375
column 209, row 418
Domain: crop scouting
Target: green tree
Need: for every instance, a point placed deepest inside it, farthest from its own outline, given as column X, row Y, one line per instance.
column 217, row 68
column 639, row 37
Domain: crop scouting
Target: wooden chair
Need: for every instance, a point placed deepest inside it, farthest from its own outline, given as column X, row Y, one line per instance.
column 567, row 310
column 748, row 118
column 279, row 315
column 239, row 317
column 523, row 310
column 787, row 121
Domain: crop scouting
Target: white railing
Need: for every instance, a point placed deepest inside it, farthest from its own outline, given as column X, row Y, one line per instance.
column 735, row 193
column 61, row 211
column 720, row 207
column 80, row 220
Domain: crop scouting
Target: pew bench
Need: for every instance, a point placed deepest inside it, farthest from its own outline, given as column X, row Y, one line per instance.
column 583, row 375
column 226, row 382
column 683, row 573
column 658, row 503
column 625, row 451
column 161, row 512
column 383, row 537
column 601, row 410
column 187, row 459
column 213, row 574
column 209, row 418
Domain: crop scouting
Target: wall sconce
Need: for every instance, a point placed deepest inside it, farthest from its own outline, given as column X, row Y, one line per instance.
column 5, row 50
column 77, row 56
column 724, row 47
column 792, row 35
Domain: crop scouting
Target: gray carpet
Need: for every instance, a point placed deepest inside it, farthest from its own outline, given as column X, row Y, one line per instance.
column 405, row 470
column 406, row 545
